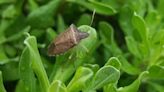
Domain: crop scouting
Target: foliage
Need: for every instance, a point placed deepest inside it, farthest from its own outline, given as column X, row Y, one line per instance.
column 123, row 53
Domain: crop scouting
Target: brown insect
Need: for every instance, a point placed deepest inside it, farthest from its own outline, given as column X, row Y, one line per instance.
column 66, row 40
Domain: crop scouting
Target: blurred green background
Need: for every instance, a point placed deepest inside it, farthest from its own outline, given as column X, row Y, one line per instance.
column 123, row 53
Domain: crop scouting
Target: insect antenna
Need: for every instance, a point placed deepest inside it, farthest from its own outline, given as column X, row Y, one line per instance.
column 93, row 15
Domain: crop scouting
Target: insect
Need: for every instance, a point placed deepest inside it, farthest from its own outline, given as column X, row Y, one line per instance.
column 66, row 40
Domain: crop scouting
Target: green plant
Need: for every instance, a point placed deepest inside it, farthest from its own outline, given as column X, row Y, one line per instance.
column 123, row 53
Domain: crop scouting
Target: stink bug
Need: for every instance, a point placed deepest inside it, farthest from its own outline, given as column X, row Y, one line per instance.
column 66, row 40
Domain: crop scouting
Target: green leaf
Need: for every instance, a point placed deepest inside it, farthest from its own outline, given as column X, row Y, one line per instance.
column 38, row 33
column 10, row 69
column 20, row 87
column 127, row 67
column 26, row 73
column 42, row 17
column 157, row 86
column 36, row 62
column 10, row 50
column 132, row 46
column 107, row 36
column 13, row 10
column 135, row 85
column 32, row 5
column 18, row 6
column 153, row 21
column 114, row 61
column 80, row 79
column 157, row 50
column 106, row 32
column 139, row 24
column 3, row 56
column 114, row 3
column 15, row 27
column 110, row 88
column 93, row 67
column 6, row 1
column 57, row 86
column 50, row 34
column 157, row 37
column 156, row 72
column 2, row 88
column 160, row 7
column 18, row 35
column 100, row 8
column 125, row 21
column 10, row 12
column 61, row 25
column 84, row 19
column 105, row 75
column 139, row 6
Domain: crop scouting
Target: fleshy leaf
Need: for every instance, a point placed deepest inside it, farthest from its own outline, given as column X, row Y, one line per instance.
column 157, row 86
column 93, row 67
column 85, row 19
column 26, row 73
column 127, row 67
column 132, row 46
column 61, row 25
column 36, row 62
column 57, row 86
column 80, row 79
column 42, row 17
column 100, row 8
column 2, row 88
column 113, row 61
column 105, row 75
column 107, row 36
column 156, row 72
column 110, row 88
column 140, row 25
column 135, row 85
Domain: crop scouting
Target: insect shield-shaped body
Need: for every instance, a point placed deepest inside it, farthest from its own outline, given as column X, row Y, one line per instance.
column 66, row 40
